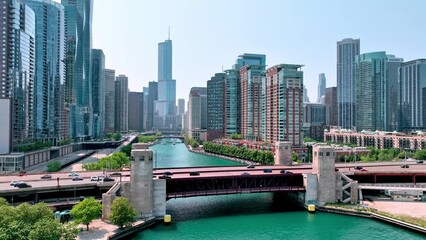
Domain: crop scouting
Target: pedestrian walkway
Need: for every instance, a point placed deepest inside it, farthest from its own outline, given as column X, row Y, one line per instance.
column 99, row 229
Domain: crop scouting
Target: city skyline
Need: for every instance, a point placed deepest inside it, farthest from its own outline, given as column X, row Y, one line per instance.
column 199, row 47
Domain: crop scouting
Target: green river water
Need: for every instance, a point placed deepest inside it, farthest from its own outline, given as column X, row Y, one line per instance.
column 253, row 216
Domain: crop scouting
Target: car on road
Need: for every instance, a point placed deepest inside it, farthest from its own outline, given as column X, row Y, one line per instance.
column 358, row 168
column 164, row 177
column 267, row 170
column 14, row 182
column 419, row 161
column 46, row 176
column 73, row 174
column 108, row 179
column 22, row 173
column 23, row 185
column 194, row 173
column 405, row 166
column 94, row 178
column 363, row 170
column 251, row 166
column 245, row 173
column 168, row 173
column 285, row 172
column 77, row 178
column 116, row 174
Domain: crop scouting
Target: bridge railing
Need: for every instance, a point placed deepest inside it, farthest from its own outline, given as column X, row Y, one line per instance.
column 400, row 185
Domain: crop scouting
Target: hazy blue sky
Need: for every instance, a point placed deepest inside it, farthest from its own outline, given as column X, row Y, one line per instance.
column 209, row 34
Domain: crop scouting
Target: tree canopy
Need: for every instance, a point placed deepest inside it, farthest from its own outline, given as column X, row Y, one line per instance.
column 34, row 222
column 86, row 211
column 54, row 166
column 115, row 161
column 122, row 212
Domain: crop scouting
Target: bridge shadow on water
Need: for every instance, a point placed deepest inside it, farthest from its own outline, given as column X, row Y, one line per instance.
column 230, row 205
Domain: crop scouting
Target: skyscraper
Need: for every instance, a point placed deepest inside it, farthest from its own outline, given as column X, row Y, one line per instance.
column 109, row 100
column 197, row 113
column 249, row 59
column 152, row 97
column 165, row 106
column 347, row 49
column 215, row 107
column 412, row 80
column 282, row 106
column 232, row 112
column 251, row 81
column 136, row 110
column 371, row 97
column 121, row 104
column 181, row 106
column 393, row 65
column 78, row 66
column 49, row 69
column 331, row 103
column 17, row 67
column 321, row 86
column 98, row 92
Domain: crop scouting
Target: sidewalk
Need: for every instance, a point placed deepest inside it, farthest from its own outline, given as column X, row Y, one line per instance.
column 99, row 229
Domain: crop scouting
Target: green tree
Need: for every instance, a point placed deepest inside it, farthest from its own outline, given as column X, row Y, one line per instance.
column 122, row 212
column 116, row 136
column 3, row 202
column 420, row 155
column 69, row 231
column 236, row 136
column 127, row 149
column 294, row 156
column 54, row 166
column 45, row 229
column 86, row 211
column 159, row 134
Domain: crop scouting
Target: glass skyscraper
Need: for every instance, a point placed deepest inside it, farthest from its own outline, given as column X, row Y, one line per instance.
column 232, row 102
column 17, row 56
column 347, row 49
column 98, row 95
column 78, row 61
column 109, row 100
column 321, row 86
column 215, row 107
column 49, row 75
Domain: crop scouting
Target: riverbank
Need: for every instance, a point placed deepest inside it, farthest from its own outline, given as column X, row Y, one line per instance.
column 234, row 159
column 411, row 223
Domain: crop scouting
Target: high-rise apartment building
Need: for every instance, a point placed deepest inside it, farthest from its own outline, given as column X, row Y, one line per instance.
column 347, row 49
column 331, row 103
column 49, row 70
column 282, row 104
column 371, row 97
column 78, row 66
column 412, row 80
column 145, row 107
column 136, row 110
column 6, row 123
column 249, row 59
column 251, row 82
column 181, row 106
column 98, row 93
column 121, row 104
column 17, row 56
column 321, row 86
column 232, row 118
column 216, row 107
column 197, row 113
column 109, row 100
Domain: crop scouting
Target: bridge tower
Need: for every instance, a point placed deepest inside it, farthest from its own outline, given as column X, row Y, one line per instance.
column 323, row 165
column 141, row 183
column 283, row 153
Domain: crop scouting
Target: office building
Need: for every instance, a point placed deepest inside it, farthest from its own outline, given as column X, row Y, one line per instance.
column 393, row 65
column 165, row 105
column 282, row 106
column 305, row 95
column 321, row 86
column 145, row 107
column 152, row 97
column 216, row 107
column 109, row 100
column 17, row 68
column 412, row 80
column 78, row 66
column 181, row 106
column 98, row 93
column 251, row 82
column 136, row 111
column 347, row 49
column 121, row 104
column 6, row 123
column 331, row 103
column 232, row 118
